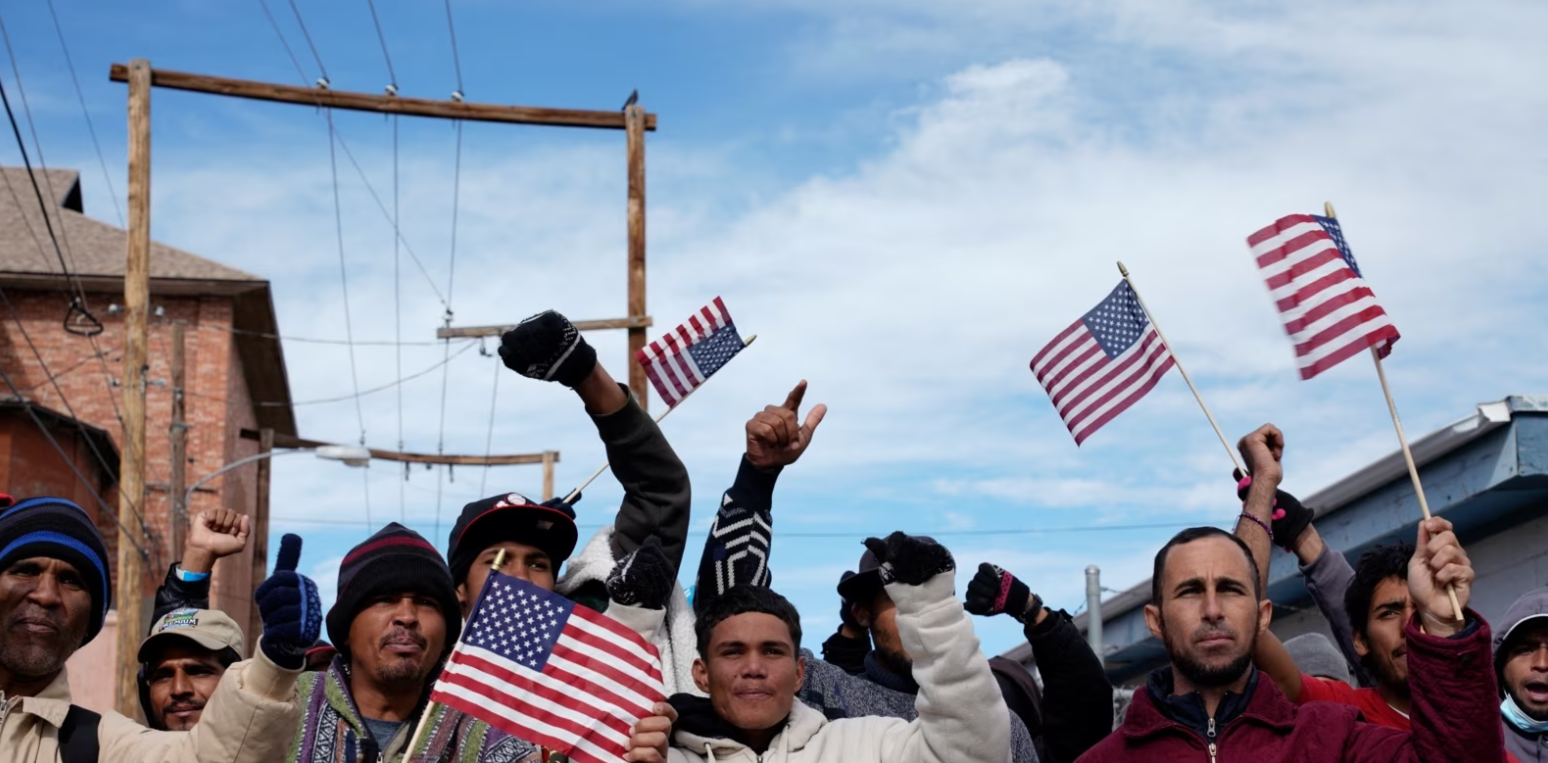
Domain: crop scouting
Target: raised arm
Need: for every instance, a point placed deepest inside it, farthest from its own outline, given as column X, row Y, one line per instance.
column 736, row 551
column 962, row 717
column 1077, row 705
column 1261, row 450
column 657, row 495
column 212, row 535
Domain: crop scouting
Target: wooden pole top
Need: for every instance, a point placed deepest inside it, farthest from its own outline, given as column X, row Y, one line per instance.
column 382, row 104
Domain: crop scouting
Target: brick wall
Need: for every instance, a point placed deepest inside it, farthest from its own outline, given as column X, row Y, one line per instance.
column 217, row 406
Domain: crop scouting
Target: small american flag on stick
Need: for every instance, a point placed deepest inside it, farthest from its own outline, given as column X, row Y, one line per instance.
column 1328, row 310
column 1103, row 363
column 535, row 665
column 687, row 356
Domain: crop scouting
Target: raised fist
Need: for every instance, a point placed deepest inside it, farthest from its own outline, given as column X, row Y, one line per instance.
column 548, row 347
column 289, row 607
column 908, row 559
column 994, row 591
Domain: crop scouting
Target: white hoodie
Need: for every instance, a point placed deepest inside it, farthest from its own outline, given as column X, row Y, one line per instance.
column 962, row 717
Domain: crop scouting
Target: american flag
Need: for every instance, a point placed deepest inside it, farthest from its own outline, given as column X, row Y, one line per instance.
column 1103, row 363
column 685, row 357
column 536, row 666
column 1327, row 309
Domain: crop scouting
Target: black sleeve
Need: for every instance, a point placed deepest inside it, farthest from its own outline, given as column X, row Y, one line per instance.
column 175, row 593
column 1077, row 697
column 736, row 552
column 657, row 495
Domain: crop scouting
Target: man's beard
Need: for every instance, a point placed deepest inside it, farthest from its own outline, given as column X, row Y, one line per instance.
column 896, row 663
column 398, row 670
column 1208, row 676
column 34, row 657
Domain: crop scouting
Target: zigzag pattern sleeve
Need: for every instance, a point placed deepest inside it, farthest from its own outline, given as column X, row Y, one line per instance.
column 737, row 549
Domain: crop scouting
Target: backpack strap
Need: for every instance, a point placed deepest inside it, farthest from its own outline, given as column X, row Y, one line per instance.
column 78, row 736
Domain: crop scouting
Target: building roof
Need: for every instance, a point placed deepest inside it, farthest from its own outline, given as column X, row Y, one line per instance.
column 91, row 248
column 1480, row 471
column 94, row 252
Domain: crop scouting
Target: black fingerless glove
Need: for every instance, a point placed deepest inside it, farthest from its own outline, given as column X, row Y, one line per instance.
column 909, row 560
column 548, row 347
column 994, row 591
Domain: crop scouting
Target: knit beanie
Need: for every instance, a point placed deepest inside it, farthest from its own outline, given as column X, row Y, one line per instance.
column 58, row 529
column 394, row 560
column 512, row 516
column 1315, row 655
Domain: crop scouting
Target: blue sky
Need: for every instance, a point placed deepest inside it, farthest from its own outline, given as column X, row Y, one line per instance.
column 905, row 200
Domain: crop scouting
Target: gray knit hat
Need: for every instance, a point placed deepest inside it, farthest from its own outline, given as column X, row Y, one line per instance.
column 1315, row 655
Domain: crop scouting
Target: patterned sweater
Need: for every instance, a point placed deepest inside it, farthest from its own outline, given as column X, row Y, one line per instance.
column 331, row 730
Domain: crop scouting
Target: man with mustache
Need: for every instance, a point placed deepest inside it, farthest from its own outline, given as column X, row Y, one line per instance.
column 181, row 663
column 54, row 595
column 1207, row 607
column 394, row 622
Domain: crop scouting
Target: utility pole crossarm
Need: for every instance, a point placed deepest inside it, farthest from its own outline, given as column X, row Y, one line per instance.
column 290, row 441
column 383, row 104
column 471, row 332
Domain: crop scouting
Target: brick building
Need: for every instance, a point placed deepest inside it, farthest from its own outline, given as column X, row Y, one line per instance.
column 235, row 373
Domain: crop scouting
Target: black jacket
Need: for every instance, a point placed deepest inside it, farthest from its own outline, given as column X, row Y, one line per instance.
column 1077, row 707
column 657, row 494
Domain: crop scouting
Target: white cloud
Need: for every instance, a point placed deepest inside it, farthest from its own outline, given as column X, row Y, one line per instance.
column 912, row 288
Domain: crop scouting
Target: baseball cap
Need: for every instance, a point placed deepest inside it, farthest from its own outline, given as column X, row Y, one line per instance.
column 209, row 628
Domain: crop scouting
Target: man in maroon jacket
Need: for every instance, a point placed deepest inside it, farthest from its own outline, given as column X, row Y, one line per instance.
column 1210, row 704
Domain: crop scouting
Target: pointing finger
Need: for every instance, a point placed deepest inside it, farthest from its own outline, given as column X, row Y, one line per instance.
column 289, row 553
column 793, row 400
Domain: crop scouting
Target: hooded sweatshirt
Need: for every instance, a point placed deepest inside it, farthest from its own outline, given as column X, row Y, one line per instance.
column 1526, row 744
column 962, row 718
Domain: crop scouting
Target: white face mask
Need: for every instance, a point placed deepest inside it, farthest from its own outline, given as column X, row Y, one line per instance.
column 1518, row 718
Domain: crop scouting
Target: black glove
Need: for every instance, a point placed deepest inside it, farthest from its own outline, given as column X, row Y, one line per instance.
column 846, row 615
column 1290, row 518
column 289, row 607
column 644, row 578
column 994, row 591
column 909, row 560
column 548, row 347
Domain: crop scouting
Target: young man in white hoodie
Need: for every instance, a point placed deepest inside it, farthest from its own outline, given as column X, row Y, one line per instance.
column 750, row 665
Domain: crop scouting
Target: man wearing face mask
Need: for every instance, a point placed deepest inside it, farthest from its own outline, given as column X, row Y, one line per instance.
column 1521, row 664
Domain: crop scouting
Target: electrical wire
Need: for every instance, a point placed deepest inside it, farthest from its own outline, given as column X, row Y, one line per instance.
column 281, row 35
column 391, row 76
column 344, row 398
column 494, row 392
column 451, row 29
column 85, row 112
column 308, row 37
column 315, row 340
column 397, row 296
column 338, row 226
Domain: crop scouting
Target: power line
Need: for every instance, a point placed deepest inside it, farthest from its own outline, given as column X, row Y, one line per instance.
column 78, row 299
column 277, row 33
column 451, row 29
column 494, row 392
column 343, row 398
column 90, row 128
column 308, row 37
column 316, row 340
column 391, row 76
column 338, row 226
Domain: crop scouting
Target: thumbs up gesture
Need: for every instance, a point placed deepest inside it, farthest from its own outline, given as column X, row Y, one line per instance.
column 289, row 607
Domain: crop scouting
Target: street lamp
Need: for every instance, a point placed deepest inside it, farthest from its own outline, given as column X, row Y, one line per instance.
column 350, row 455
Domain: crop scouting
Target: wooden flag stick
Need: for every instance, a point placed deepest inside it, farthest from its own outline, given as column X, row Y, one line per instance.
column 1408, row 456
column 594, row 475
column 424, row 718
column 1178, row 363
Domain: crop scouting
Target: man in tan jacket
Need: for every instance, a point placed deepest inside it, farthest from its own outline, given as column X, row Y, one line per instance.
column 54, row 594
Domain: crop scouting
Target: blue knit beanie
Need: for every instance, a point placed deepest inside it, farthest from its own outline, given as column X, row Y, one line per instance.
column 58, row 529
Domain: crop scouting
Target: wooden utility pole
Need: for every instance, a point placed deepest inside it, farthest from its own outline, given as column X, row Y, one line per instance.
column 259, row 532
column 131, row 470
column 178, row 431
column 549, row 457
column 634, row 117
